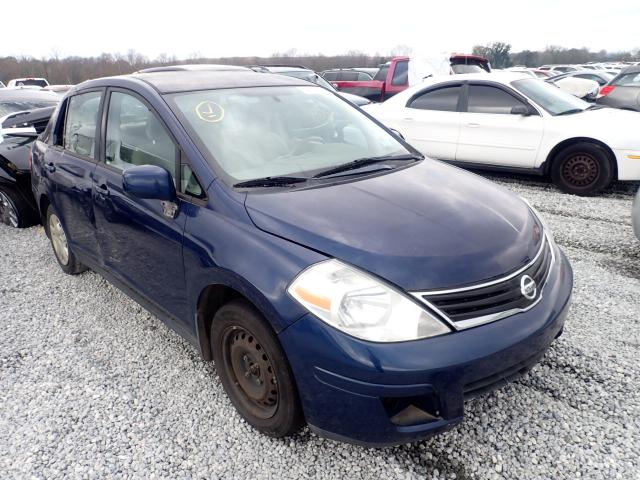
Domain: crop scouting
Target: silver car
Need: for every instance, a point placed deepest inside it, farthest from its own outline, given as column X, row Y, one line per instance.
column 635, row 215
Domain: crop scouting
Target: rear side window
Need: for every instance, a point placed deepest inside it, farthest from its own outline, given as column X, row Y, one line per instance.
column 443, row 99
column 401, row 73
column 627, row 80
column 136, row 136
column 331, row 76
column 487, row 99
column 80, row 124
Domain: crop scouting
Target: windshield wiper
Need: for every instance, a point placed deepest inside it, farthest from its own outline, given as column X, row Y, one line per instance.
column 570, row 111
column 361, row 162
column 270, row 182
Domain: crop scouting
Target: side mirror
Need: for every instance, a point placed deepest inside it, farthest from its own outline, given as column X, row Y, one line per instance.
column 397, row 133
column 150, row 182
column 520, row 110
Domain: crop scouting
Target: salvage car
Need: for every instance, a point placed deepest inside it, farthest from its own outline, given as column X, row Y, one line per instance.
column 623, row 91
column 515, row 123
column 24, row 114
column 335, row 276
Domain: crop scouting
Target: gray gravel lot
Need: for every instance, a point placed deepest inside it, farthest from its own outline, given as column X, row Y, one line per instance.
column 91, row 385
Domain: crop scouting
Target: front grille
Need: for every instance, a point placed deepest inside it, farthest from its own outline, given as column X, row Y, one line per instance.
column 474, row 305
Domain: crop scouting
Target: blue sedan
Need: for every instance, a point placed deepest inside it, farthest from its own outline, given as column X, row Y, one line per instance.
column 336, row 277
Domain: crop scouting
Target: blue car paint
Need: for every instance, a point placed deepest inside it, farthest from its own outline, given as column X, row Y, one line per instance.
column 405, row 226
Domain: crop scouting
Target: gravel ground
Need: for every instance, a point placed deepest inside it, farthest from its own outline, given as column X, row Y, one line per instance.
column 91, row 385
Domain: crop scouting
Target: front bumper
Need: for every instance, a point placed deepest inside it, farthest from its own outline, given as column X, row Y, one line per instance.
column 357, row 391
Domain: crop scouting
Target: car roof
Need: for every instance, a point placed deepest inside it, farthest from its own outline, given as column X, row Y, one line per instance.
column 197, row 66
column 18, row 93
column 170, row 81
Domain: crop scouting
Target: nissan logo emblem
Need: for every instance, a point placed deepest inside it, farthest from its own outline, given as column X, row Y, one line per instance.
column 528, row 287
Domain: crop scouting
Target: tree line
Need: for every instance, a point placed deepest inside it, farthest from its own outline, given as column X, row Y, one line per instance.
column 501, row 56
column 73, row 70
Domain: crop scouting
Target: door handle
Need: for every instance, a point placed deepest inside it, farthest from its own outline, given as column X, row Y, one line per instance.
column 473, row 125
column 102, row 189
column 51, row 167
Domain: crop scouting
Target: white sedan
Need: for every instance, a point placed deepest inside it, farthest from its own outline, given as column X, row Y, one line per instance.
column 512, row 122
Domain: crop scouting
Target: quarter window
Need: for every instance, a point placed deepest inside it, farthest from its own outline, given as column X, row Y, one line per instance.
column 486, row 99
column 136, row 136
column 401, row 73
column 80, row 125
column 443, row 99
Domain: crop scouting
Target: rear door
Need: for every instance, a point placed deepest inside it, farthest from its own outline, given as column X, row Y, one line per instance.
column 69, row 163
column 491, row 134
column 140, row 240
column 431, row 121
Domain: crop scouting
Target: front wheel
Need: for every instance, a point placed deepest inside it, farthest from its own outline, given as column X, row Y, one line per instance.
column 582, row 169
column 254, row 370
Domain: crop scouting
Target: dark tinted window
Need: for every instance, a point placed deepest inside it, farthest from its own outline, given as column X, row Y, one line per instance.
column 628, row 79
column 382, row 73
column 348, row 76
column 486, row 99
column 331, row 76
column 401, row 73
column 81, row 122
column 442, row 99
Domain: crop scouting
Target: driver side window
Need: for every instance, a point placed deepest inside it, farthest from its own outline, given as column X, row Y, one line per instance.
column 136, row 136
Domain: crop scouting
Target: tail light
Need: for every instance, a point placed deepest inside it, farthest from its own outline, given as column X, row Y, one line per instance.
column 606, row 90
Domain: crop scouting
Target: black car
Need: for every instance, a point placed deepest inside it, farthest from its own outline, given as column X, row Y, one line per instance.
column 24, row 114
column 623, row 91
column 304, row 73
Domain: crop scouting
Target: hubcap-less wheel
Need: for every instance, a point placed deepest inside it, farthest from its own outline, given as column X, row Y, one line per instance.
column 8, row 214
column 58, row 239
column 580, row 170
column 254, row 378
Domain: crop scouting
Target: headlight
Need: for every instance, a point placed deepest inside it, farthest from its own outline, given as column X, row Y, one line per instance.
column 362, row 306
column 545, row 227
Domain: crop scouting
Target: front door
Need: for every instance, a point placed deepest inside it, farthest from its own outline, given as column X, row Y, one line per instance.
column 491, row 134
column 140, row 241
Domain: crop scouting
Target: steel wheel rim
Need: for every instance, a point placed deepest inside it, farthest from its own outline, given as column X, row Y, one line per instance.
column 580, row 170
column 8, row 213
column 253, row 377
column 58, row 239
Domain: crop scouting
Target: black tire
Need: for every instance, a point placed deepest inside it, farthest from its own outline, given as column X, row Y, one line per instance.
column 15, row 211
column 69, row 263
column 254, row 370
column 582, row 169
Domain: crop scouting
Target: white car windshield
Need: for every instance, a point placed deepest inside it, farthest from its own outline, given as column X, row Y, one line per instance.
column 253, row 133
column 550, row 97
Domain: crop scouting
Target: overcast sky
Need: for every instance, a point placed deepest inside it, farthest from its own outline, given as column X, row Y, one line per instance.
column 238, row 28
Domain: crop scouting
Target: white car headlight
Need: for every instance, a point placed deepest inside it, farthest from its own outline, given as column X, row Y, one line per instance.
column 362, row 306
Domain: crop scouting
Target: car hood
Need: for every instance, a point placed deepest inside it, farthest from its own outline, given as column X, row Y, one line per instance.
column 615, row 127
column 355, row 99
column 423, row 227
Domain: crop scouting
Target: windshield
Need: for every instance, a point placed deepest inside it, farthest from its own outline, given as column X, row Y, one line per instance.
column 309, row 77
column 252, row 133
column 549, row 97
column 13, row 106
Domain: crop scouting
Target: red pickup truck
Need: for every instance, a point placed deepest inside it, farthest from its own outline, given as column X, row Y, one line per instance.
column 393, row 76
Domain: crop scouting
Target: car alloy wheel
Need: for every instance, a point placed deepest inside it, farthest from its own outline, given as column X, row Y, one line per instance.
column 58, row 239
column 8, row 212
column 254, row 379
column 580, row 170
